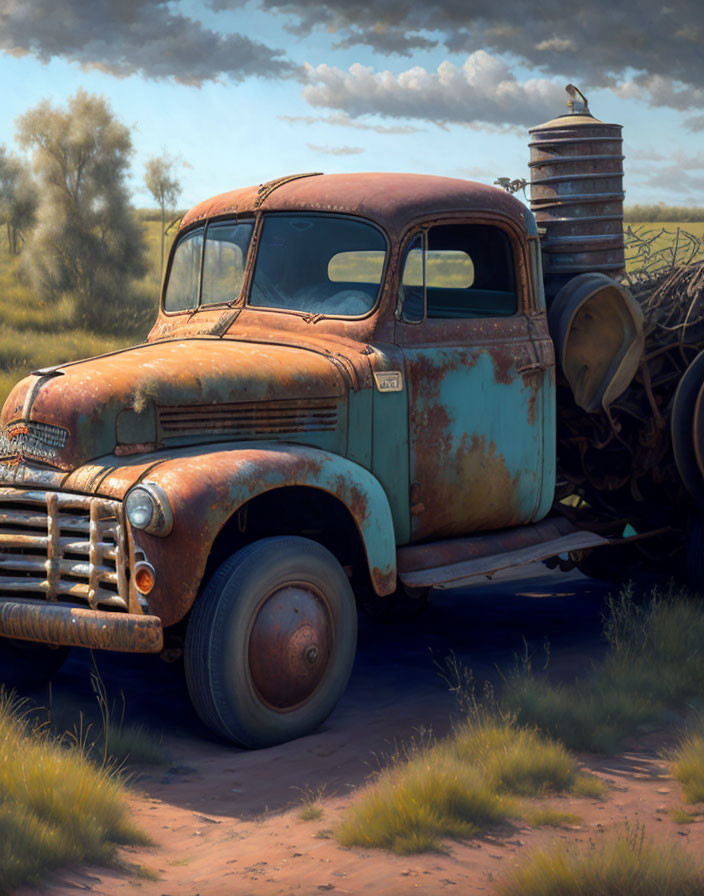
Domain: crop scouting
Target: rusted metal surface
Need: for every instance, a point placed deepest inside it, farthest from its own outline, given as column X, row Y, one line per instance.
column 577, row 196
column 290, row 646
column 62, row 547
column 477, row 425
column 207, row 484
column 392, row 200
column 53, row 623
column 488, row 565
column 210, row 406
column 415, row 558
column 123, row 399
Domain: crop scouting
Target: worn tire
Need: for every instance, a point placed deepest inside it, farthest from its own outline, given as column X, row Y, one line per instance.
column 24, row 664
column 276, row 622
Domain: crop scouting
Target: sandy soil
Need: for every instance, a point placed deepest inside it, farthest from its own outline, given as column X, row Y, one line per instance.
column 225, row 821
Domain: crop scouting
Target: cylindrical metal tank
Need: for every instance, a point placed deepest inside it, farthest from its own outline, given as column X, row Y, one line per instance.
column 576, row 167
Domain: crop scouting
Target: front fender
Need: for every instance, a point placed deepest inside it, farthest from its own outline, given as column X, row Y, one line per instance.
column 208, row 485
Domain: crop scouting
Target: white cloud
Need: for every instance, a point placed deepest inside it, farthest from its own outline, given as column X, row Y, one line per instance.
column 336, row 150
column 344, row 121
column 481, row 91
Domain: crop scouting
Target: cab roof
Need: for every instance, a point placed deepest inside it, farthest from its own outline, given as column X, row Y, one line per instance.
column 391, row 200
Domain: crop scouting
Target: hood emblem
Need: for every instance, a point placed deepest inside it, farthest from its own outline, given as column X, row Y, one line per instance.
column 31, row 439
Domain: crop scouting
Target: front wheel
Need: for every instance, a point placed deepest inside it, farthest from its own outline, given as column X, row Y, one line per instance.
column 271, row 642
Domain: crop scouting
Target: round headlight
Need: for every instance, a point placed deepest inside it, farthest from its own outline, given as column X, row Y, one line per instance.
column 147, row 507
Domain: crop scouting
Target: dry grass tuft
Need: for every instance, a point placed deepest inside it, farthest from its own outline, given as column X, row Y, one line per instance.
column 56, row 806
column 688, row 766
column 655, row 662
column 619, row 862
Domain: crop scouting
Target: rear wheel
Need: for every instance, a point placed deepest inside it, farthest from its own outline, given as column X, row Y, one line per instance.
column 24, row 664
column 271, row 642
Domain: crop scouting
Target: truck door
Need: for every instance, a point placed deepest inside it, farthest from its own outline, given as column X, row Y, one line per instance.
column 479, row 372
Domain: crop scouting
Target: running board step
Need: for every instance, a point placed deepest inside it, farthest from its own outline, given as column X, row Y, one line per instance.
column 489, row 564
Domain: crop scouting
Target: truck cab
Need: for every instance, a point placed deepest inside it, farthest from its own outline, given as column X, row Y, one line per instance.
column 349, row 390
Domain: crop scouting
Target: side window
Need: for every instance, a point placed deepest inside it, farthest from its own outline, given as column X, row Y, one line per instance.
column 220, row 252
column 225, row 255
column 182, row 288
column 464, row 270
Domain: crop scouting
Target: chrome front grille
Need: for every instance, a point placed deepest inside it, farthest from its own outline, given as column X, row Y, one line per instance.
column 64, row 547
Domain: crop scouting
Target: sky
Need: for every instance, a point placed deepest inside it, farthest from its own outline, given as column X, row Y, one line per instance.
column 244, row 91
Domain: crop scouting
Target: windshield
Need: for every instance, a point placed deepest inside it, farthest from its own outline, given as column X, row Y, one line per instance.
column 322, row 264
column 208, row 265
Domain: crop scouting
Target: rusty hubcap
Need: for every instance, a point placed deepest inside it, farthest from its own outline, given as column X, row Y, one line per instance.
column 290, row 646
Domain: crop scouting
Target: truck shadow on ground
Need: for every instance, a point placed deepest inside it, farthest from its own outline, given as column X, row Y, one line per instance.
column 396, row 691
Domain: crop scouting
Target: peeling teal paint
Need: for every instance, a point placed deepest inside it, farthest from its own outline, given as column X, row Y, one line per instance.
column 359, row 427
column 477, row 441
column 390, row 443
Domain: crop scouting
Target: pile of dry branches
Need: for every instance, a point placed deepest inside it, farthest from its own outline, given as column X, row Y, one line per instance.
column 666, row 276
column 622, row 462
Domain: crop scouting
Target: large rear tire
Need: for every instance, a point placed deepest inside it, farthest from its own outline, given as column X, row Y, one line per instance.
column 271, row 642
column 24, row 664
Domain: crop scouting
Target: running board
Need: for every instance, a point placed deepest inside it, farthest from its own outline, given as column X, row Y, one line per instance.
column 455, row 573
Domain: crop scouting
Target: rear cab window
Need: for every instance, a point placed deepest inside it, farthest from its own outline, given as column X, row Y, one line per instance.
column 468, row 270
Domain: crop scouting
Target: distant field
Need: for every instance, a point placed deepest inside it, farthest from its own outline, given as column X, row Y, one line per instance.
column 35, row 335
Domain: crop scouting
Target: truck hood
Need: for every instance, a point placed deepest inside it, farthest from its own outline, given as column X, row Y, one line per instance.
column 173, row 392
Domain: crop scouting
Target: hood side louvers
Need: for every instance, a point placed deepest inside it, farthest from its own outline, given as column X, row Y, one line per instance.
column 251, row 420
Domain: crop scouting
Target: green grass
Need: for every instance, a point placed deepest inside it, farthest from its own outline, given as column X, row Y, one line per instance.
column 35, row 334
column 56, row 806
column 659, row 212
column 412, row 807
column 132, row 745
column 679, row 816
column 655, row 662
column 514, row 760
column 311, row 813
column 589, row 787
column 517, row 746
column 459, row 787
column 619, row 862
column 688, row 766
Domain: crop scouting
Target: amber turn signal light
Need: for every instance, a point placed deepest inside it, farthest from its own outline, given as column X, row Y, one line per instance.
column 144, row 577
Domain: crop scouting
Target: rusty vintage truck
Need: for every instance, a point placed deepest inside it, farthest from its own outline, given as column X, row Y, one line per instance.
column 349, row 395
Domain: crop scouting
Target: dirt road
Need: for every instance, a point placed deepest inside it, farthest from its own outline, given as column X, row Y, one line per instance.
column 225, row 821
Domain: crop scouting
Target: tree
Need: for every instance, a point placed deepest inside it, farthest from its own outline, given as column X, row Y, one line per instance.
column 18, row 199
column 164, row 187
column 86, row 243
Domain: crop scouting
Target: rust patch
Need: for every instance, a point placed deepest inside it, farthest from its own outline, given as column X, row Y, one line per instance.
column 139, row 448
column 72, row 626
column 384, row 582
column 488, row 499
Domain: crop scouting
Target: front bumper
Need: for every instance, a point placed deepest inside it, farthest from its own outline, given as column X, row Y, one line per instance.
column 52, row 623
